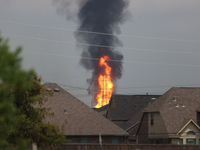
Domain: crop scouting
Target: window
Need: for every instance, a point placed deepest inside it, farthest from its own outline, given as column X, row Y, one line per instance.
column 191, row 133
column 84, row 140
column 199, row 141
column 198, row 118
column 180, row 141
column 191, row 141
column 115, row 140
column 151, row 118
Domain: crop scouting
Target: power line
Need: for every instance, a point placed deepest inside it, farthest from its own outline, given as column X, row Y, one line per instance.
column 93, row 45
column 89, row 32
column 136, row 62
column 156, row 86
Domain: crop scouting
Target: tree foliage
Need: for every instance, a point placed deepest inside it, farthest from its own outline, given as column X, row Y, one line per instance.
column 31, row 116
column 11, row 75
column 20, row 92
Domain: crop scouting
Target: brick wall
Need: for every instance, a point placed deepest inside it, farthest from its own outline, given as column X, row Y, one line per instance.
column 124, row 147
column 95, row 139
column 159, row 141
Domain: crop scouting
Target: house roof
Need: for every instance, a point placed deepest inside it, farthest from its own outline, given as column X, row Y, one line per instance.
column 81, row 119
column 102, row 110
column 128, row 108
column 177, row 106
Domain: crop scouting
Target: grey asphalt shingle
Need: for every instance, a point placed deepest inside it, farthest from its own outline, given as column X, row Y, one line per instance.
column 128, row 108
column 174, row 117
column 81, row 119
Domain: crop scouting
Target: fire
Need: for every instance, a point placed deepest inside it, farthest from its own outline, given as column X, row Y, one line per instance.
column 105, row 83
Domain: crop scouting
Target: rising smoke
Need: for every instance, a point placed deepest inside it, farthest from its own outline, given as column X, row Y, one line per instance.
column 102, row 16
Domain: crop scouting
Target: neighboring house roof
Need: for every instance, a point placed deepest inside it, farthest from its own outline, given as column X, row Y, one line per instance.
column 125, row 106
column 126, row 110
column 177, row 106
column 81, row 119
column 102, row 110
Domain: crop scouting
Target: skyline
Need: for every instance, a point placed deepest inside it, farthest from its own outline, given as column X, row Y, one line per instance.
column 161, row 43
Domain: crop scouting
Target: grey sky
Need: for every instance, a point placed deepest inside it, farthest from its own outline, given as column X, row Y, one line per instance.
column 152, row 65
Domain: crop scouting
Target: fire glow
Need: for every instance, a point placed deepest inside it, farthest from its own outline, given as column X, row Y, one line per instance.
column 98, row 23
column 105, row 83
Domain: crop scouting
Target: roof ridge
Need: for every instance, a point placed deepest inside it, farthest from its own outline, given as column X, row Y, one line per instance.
column 88, row 113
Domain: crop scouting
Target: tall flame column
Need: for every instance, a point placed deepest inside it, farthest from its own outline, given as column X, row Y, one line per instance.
column 105, row 83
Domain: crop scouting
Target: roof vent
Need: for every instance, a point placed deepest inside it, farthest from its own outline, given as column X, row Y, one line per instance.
column 48, row 89
column 177, row 103
column 175, row 98
column 153, row 98
column 56, row 89
column 65, row 111
column 183, row 102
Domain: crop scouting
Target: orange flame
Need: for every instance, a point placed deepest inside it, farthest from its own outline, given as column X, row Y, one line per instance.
column 105, row 84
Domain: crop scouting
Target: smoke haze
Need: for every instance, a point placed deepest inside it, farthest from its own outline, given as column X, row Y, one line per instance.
column 103, row 16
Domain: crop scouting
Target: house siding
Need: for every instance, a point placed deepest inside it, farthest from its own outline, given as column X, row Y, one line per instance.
column 142, row 136
column 158, row 129
column 175, row 140
column 190, row 127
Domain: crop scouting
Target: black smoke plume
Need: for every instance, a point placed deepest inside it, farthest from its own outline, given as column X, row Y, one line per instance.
column 102, row 19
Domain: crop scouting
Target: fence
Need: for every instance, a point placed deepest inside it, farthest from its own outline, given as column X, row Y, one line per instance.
column 125, row 147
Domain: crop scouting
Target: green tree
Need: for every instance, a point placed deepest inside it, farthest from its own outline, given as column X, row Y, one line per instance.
column 21, row 94
column 11, row 75
column 31, row 115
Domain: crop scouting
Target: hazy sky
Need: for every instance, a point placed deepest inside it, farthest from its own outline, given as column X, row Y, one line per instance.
column 161, row 42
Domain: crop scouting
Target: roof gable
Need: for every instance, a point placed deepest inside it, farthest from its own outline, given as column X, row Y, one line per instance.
column 190, row 121
column 126, row 106
column 128, row 110
column 177, row 105
column 81, row 119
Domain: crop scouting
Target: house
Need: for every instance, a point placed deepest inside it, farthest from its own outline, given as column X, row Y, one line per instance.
column 174, row 118
column 84, row 125
column 102, row 110
column 126, row 111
